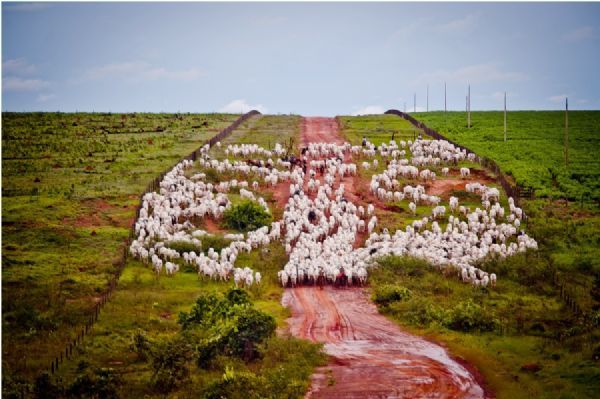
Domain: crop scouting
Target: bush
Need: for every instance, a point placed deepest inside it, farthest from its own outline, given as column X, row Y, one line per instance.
column 251, row 328
column 101, row 383
column 469, row 316
column 170, row 364
column 237, row 385
column 201, row 312
column 390, row 293
column 206, row 351
column 246, row 216
column 140, row 344
column 419, row 311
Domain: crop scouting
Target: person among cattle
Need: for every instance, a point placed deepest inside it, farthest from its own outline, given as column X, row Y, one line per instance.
column 364, row 141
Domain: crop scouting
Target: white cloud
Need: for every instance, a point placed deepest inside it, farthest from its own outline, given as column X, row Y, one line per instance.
column 141, row 71
column 42, row 98
column 559, row 98
column 241, row 106
column 470, row 74
column 407, row 30
column 370, row 110
column 26, row 7
column 13, row 83
column 579, row 34
column 17, row 66
column 459, row 25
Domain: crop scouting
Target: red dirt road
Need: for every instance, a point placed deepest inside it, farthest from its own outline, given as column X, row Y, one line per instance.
column 370, row 356
column 320, row 130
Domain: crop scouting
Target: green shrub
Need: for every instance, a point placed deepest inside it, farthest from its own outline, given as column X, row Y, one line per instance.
column 246, row 216
column 237, row 385
column 170, row 364
column 387, row 293
column 100, row 383
column 206, row 352
column 140, row 344
column 201, row 312
column 469, row 316
column 252, row 328
column 419, row 311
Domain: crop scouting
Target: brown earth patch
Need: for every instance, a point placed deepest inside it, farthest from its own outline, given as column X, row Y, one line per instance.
column 211, row 226
column 443, row 187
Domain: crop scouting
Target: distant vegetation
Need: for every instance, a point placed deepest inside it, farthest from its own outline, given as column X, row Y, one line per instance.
column 534, row 151
column 378, row 128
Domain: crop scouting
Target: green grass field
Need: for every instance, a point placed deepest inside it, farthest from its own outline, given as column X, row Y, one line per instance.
column 534, row 151
column 70, row 184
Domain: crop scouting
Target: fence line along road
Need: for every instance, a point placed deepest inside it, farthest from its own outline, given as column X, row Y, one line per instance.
column 512, row 190
column 153, row 186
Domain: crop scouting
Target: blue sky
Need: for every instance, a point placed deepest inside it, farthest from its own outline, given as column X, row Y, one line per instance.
column 306, row 58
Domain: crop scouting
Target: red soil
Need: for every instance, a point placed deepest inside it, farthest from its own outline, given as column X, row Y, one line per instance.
column 211, row 226
column 444, row 186
column 370, row 357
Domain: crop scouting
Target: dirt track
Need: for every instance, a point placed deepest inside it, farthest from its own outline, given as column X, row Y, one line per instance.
column 371, row 357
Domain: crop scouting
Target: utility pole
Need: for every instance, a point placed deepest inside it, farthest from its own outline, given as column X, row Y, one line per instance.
column 566, row 132
column 469, row 107
column 415, row 104
column 404, row 106
column 427, row 99
column 505, row 117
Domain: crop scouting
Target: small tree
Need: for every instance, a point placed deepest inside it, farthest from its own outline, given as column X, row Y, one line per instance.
column 252, row 327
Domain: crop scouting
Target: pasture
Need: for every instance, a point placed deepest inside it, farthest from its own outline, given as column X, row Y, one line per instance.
column 534, row 151
column 70, row 184
column 62, row 239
